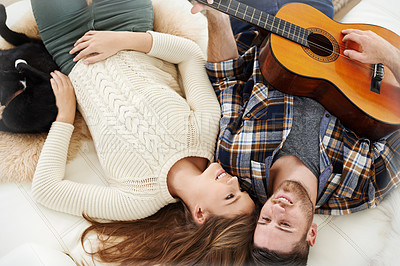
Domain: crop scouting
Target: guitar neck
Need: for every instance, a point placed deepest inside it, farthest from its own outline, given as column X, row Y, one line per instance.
column 261, row 20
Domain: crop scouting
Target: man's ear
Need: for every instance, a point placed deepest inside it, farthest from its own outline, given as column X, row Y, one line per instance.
column 312, row 234
column 199, row 215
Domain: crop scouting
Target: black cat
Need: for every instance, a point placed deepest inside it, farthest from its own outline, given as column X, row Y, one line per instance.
column 26, row 95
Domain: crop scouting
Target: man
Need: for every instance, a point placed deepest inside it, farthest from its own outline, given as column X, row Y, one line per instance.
column 289, row 152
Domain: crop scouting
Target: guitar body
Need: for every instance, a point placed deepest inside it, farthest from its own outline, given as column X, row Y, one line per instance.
column 342, row 86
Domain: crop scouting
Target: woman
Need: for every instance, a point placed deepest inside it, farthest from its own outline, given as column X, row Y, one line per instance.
column 153, row 144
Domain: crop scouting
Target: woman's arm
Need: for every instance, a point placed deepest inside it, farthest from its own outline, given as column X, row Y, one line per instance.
column 65, row 97
column 99, row 45
column 49, row 187
column 183, row 52
column 374, row 50
column 191, row 64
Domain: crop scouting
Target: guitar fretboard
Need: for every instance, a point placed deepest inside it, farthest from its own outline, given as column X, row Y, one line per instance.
column 261, row 19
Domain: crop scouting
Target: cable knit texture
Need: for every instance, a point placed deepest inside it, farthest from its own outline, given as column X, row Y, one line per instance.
column 141, row 122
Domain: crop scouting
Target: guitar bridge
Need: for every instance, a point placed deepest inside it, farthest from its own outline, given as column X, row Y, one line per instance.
column 377, row 76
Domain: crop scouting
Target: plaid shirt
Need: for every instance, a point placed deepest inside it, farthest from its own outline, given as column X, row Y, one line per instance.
column 355, row 173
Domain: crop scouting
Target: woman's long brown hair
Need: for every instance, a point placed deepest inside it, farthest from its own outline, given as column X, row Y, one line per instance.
column 171, row 237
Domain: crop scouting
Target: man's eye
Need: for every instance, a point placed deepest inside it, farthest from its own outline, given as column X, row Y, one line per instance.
column 229, row 196
column 266, row 219
column 285, row 224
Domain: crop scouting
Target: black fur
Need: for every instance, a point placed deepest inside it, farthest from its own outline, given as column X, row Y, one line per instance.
column 35, row 108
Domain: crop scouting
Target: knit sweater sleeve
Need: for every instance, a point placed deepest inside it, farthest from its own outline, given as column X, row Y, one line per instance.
column 196, row 86
column 50, row 189
column 191, row 64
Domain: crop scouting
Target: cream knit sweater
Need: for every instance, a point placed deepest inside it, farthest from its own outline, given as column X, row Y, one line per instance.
column 141, row 123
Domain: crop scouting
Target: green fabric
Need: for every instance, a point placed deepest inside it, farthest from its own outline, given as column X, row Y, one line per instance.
column 62, row 22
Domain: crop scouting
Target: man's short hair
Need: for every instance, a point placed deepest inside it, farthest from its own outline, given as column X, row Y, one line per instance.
column 298, row 256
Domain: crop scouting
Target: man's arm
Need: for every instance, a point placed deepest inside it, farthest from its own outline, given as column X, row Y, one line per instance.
column 221, row 42
column 374, row 50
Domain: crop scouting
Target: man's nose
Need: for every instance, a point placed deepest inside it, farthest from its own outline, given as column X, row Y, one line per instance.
column 278, row 208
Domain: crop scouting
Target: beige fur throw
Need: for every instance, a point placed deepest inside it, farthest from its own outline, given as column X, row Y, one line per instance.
column 19, row 153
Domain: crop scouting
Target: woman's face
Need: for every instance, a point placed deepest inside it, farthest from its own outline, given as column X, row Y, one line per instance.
column 221, row 194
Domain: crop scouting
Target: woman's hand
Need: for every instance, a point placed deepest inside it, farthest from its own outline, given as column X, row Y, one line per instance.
column 97, row 46
column 65, row 97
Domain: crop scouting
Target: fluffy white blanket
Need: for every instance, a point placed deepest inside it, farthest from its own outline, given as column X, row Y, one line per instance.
column 389, row 255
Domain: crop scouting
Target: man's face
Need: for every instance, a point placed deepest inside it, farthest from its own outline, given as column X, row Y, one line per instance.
column 285, row 218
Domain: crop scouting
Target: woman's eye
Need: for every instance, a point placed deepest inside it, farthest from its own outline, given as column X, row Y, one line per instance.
column 229, row 196
column 266, row 219
column 285, row 224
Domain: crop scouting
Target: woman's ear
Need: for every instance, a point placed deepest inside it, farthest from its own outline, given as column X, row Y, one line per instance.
column 199, row 215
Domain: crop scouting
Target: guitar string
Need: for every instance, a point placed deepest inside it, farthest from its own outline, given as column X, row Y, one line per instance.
column 245, row 14
column 313, row 44
column 327, row 50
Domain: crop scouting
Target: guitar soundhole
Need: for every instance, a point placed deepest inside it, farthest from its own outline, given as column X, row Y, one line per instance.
column 320, row 45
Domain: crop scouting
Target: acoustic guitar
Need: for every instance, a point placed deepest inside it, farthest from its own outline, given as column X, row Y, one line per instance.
column 304, row 56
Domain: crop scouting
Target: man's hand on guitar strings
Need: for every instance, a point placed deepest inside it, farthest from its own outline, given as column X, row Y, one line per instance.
column 374, row 49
